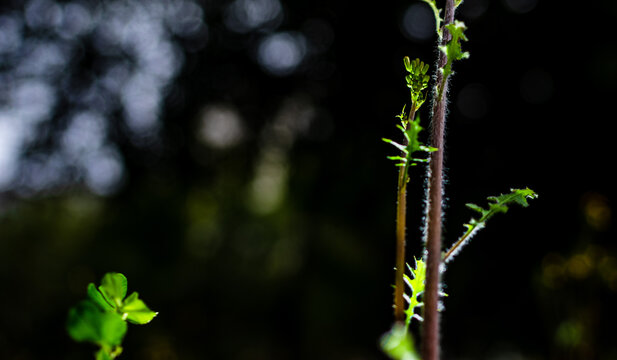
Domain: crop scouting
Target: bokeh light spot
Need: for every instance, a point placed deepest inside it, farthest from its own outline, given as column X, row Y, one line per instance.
column 597, row 211
column 9, row 148
column 141, row 104
column 184, row 18
column 104, row 171
column 418, row 22
column 11, row 30
column 85, row 131
column 281, row 53
column 243, row 16
column 76, row 21
column 42, row 14
column 220, row 127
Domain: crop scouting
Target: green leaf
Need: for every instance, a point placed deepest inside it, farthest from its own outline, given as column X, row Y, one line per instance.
column 411, row 131
column 95, row 295
column 114, row 287
column 87, row 322
column 436, row 12
column 136, row 311
column 416, row 285
column 475, row 208
column 398, row 344
column 497, row 204
column 453, row 49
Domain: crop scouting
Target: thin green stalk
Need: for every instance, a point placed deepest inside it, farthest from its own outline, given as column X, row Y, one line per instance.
column 430, row 339
column 401, row 220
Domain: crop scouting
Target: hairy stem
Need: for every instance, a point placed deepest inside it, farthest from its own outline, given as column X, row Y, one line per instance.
column 430, row 340
column 454, row 249
column 401, row 219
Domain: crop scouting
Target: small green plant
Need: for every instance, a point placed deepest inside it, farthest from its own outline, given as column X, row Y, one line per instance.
column 102, row 318
column 423, row 281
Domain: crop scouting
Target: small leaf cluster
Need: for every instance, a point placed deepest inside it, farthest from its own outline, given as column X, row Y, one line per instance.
column 411, row 131
column 417, row 80
column 102, row 318
column 453, row 49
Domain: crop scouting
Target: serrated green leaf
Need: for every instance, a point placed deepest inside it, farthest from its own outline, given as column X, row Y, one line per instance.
column 416, row 283
column 87, row 322
column 518, row 196
column 411, row 130
column 95, row 295
column 136, row 311
column 453, row 49
column 497, row 204
column 114, row 287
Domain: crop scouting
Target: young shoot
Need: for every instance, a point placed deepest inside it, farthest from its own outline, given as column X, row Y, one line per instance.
column 102, row 318
column 423, row 281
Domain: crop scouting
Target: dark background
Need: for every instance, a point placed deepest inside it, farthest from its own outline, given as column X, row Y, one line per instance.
column 255, row 208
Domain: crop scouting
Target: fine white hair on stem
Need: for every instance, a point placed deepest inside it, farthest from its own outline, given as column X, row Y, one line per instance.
column 461, row 242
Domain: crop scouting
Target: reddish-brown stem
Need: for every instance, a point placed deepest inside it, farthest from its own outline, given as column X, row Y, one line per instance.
column 430, row 340
column 401, row 218
column 401, row 214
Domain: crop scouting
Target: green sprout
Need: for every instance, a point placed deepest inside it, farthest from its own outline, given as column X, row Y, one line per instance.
column 102, row 318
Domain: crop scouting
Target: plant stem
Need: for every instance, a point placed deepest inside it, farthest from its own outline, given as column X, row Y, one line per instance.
column 453, row 250
column 401, row 215
column 401, row 220
column 430, row 339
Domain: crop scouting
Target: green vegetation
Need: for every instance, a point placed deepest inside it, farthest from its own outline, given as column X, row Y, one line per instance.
column 424, row 279
column 102, row 318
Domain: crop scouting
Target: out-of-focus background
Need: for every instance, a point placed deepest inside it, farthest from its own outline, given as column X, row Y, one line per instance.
column 227, row 157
